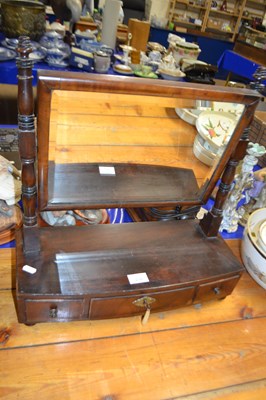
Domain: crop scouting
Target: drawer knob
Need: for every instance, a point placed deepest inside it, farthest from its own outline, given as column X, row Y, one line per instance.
column 53, row 312
column 216, row 290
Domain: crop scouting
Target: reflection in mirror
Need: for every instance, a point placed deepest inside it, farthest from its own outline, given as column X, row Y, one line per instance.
column 215, row 123
column 98, row 140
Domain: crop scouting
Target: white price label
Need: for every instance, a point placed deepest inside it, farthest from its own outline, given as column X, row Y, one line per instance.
column 142, row 277
column 106, row 170
column 29, row 269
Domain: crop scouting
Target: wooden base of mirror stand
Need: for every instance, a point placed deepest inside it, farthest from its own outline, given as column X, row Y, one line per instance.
column 111, row 271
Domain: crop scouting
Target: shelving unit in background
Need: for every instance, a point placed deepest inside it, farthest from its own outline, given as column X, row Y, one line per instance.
column 186, row 14
column 202, row 16
column 255, row 9
column 224, row 22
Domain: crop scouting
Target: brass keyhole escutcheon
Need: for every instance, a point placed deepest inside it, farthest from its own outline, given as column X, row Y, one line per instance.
column 145, row 302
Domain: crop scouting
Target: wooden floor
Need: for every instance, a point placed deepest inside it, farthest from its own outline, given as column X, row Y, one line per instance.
column 213, row 351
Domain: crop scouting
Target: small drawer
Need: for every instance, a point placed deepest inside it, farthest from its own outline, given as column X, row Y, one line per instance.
column 216, row 290
column 126, row 306
column 45, row 310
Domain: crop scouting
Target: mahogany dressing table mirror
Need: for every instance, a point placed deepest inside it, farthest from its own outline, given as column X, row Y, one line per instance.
column 117, row 142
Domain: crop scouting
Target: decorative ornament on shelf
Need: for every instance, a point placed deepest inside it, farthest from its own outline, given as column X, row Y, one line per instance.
column 244, row 181
column 224, row 6
column 256, row 196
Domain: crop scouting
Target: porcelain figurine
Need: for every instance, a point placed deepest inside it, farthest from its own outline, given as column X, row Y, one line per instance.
column 243, row 182
column 256, row 196
column 58, row 218
column 10, row 184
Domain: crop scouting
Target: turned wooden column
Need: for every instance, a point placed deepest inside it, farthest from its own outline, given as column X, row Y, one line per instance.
column 212, row 220
column 26, row 130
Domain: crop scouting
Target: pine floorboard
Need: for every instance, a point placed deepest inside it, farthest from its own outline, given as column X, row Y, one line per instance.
column 213, row 351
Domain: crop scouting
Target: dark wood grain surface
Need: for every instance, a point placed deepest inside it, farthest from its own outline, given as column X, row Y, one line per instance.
column 172, row 253
column 83, row 185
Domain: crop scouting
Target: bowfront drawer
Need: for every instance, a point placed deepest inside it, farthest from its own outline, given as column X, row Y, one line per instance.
column 216, row 289
column 54, row 310
column 123, row 306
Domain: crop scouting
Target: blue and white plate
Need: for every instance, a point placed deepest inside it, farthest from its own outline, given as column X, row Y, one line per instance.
column 37, row 55
column 58, row 64
column 118, row 215
column 7, row 54
column 13, row 44
column 10, row 43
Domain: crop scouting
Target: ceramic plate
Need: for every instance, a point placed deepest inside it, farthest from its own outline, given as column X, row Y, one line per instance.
column 37, row 55
column 119, row 58
column 216, row 127
column 7, row 54
column 253, row 226
column 262, row 236
column 232, row 108
column 188, row 115
column 171, row 76
column 123, row 69
column 10, row 43
column 150, row 75
column 13, row 44
column 59, row 64
column 201, row 153
column 252, row 254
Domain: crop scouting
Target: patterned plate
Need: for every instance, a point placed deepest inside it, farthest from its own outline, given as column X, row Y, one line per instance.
column 7, row 54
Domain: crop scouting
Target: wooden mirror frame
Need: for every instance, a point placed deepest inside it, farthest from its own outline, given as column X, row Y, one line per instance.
column 51, row 81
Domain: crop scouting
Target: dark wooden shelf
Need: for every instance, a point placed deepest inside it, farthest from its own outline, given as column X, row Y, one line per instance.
column 132, row 185
column 223, row 13
column 89, row 276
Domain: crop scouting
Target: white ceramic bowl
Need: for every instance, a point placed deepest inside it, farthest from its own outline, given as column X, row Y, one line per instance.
column 201, row 153
column 254, row 258
column 262, row 236
column 188, row 115
column 185, row 50
column 216, row 128
column 175, row 75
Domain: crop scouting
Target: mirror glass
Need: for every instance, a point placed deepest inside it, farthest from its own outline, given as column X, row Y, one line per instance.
column 119, row 150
